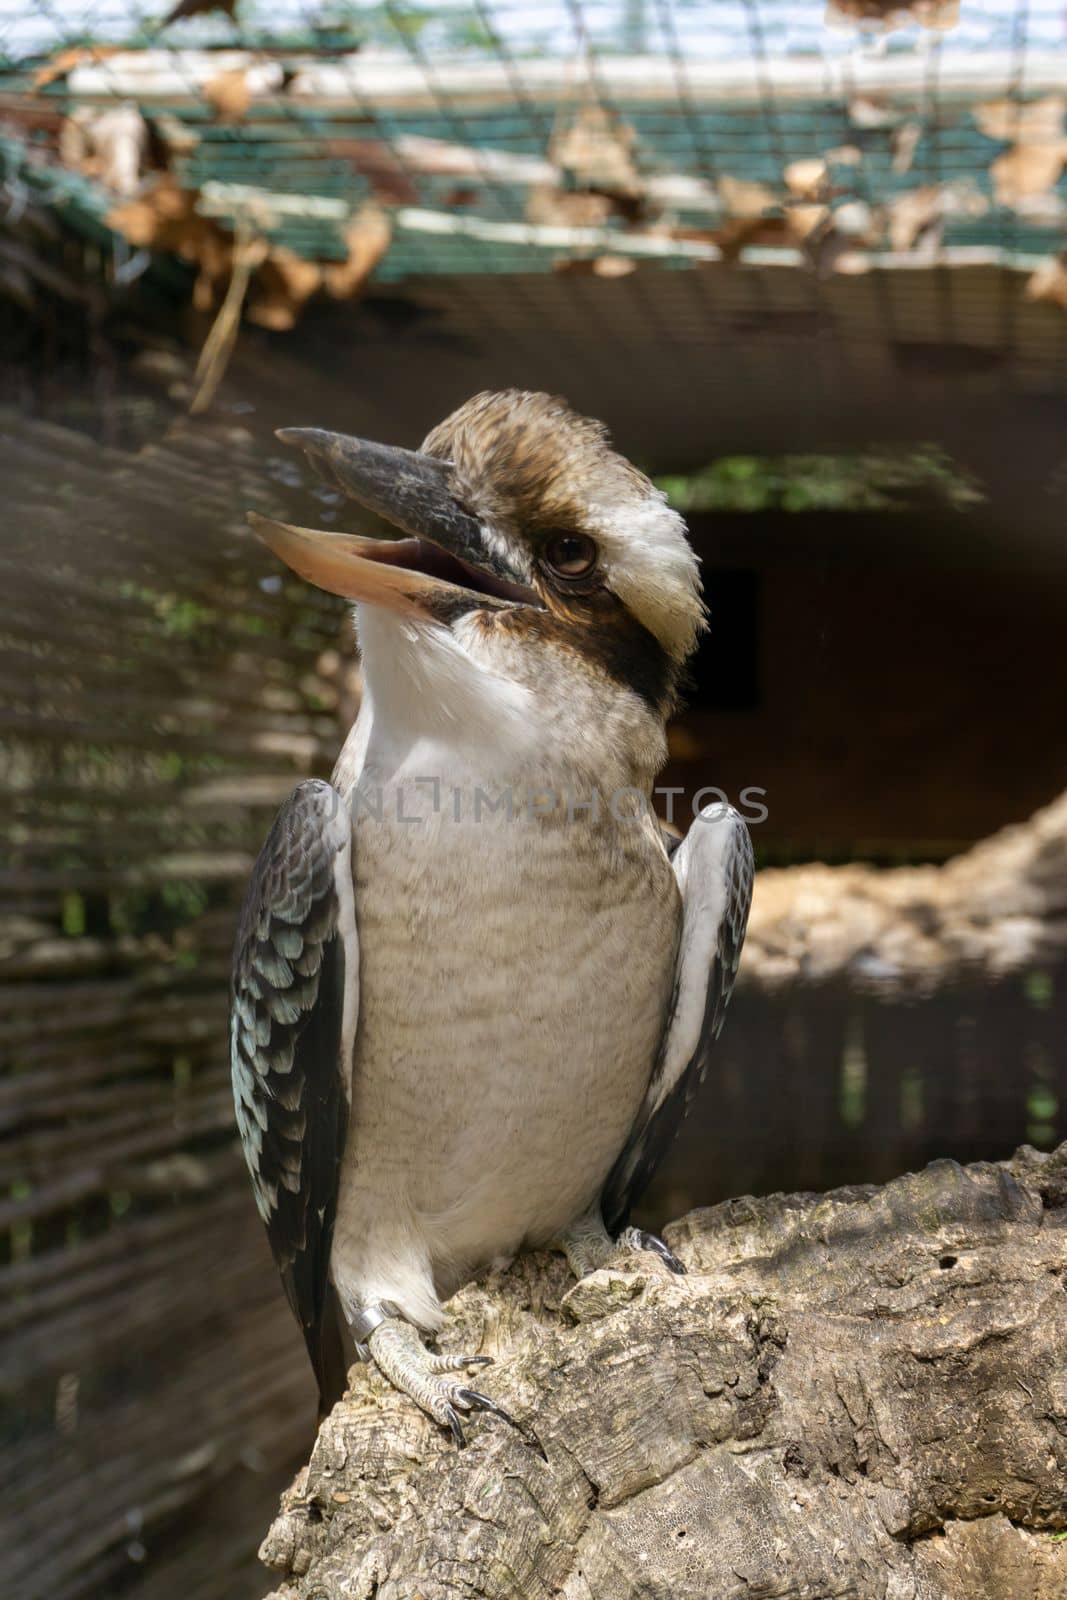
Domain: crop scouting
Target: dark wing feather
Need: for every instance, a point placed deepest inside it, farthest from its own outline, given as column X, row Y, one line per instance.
column 714, row 868
column 294, row 1002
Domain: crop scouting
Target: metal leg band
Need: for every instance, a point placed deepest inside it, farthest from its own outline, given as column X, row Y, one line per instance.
column 366, row 1320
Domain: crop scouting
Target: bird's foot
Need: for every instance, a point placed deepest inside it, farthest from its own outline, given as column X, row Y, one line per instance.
column 639, row 1239
column 588, row 1246
column 398, row 1351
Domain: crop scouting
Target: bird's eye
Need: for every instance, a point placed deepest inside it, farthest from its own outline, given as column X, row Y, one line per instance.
column 570, row 555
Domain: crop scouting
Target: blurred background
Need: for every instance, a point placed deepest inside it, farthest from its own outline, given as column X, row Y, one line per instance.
column 809, row 266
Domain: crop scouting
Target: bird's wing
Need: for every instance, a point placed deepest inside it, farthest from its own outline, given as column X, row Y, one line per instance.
column 294, row 1007
column 714, row 868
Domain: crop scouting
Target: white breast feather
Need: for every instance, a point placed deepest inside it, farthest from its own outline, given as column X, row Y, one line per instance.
column 515, row 977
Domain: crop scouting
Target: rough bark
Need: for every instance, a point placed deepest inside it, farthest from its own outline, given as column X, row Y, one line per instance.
column 857, row 1394
column 999, row 908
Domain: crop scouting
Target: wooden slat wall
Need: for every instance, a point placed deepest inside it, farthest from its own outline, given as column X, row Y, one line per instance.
column 155, row 705
column 156, row 702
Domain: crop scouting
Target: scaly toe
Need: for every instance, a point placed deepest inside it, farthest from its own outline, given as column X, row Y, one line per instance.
column 450, row 1363
column 422, row 1375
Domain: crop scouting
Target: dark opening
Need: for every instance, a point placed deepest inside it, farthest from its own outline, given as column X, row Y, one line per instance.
column 724, row 675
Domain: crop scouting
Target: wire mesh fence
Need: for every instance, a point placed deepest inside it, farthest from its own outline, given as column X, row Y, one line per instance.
column 498, row 137
column 155, row 702
column 700, row 213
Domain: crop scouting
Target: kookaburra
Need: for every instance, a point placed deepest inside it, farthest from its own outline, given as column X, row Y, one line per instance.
column 475, row 986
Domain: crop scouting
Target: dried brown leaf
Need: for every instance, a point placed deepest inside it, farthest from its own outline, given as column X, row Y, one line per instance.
column 284, row 283
column 904, row 142
column 229, row 94
column 155, row 219
column 596, row 147
column 63, row 63
column 940, row 15
column 744, row 198
column 368, row 237
column 807, row 179
column 1022, row 122
column 873, row 111
column 196, row 8
column 606, row 266
column 575, row 209
column 1029, row 169
column 807, row 221
column 1049, row 282
column 911, row 213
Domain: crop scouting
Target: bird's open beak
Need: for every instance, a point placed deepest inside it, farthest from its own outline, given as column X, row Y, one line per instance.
column 444, row 567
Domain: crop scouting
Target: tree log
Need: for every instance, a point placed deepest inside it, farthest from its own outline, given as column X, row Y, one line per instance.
column 858, row 1394
column 999, row 908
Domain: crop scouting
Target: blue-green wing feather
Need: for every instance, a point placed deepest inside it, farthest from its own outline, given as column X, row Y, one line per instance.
column 295, row 989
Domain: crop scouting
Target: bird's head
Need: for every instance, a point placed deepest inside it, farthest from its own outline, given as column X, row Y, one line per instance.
column 524, row 528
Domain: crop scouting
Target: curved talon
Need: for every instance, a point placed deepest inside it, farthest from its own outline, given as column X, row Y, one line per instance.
column 456, row 1427
column 481, row 1402
column 401, row 1356
column 650, row 1241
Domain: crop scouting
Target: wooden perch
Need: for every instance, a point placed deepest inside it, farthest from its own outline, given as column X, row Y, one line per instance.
column 855, row 1394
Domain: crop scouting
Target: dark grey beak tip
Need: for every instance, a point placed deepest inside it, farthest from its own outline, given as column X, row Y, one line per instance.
column 410, row 490
column 311, row 439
